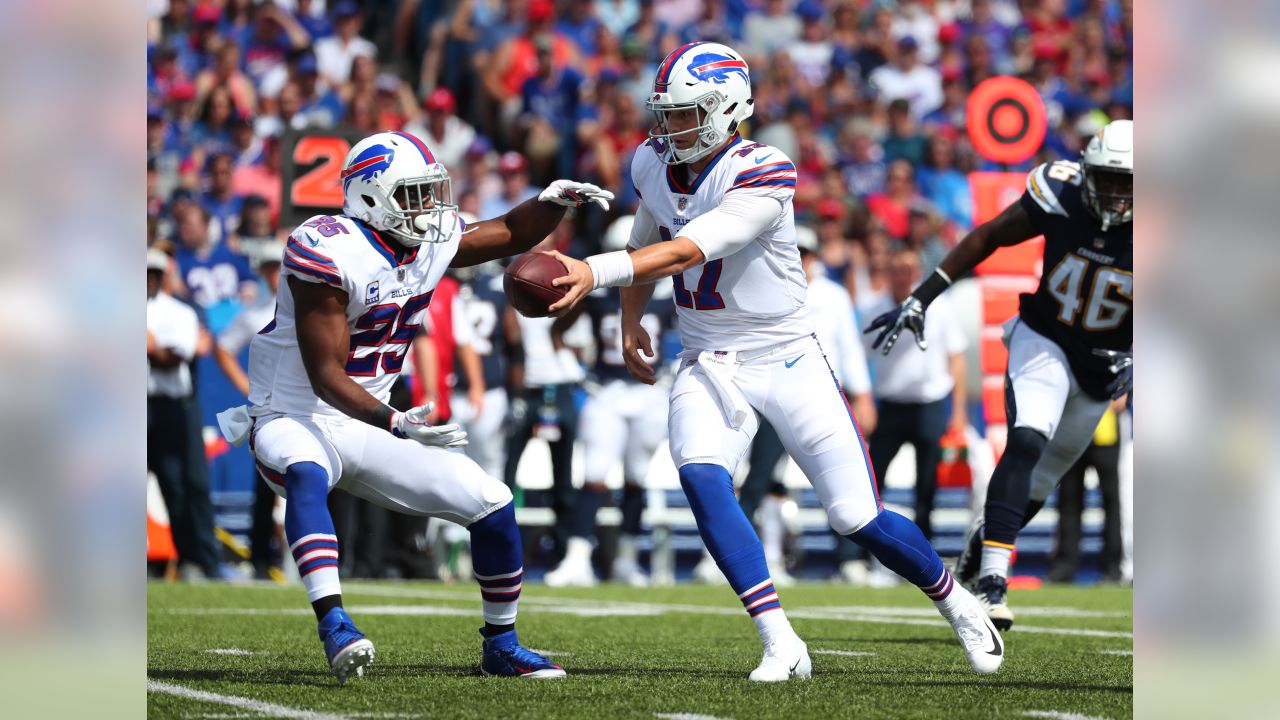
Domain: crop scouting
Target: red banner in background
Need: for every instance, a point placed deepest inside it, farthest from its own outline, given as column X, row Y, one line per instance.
column 1003, row 277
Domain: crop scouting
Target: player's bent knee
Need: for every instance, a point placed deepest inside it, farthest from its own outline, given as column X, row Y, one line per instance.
column 847, row 518
column 1026, row 443
column 306, row 482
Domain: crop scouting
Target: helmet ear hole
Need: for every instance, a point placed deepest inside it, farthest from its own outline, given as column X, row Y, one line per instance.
column 368, row 201
column 731, row 109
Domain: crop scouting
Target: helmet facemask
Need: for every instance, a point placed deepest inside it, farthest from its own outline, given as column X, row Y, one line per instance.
column 707, row 137
column 1108, row 194
column 421, row 210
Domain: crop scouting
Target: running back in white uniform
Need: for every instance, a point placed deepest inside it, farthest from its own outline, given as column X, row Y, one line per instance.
column 386, row 301
column 754, row 298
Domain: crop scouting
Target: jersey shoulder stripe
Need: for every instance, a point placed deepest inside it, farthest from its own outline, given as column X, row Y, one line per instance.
column 1046, row 184
column 313, row 271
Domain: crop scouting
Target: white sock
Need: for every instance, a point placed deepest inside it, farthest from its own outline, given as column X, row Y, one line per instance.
column 773, row 626
column 995, row 561
column 953, row 602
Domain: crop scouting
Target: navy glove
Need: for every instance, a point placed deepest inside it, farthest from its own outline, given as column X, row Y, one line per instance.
column 907, row 316
column 1122, row 367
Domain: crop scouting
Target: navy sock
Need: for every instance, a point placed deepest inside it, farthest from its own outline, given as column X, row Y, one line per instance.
column 632, row 507
column 590, row 498
column 498, row 562
column 898, row 543
column 1010, row 488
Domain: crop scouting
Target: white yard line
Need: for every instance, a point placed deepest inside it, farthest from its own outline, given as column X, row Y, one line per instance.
column 1055, row 715
column 844, row 653
column 686, row 716
column 1128, row 653
column 552, row 653
column 883, row 614
column 244, row 703
column 604, row 609
column 229, row 651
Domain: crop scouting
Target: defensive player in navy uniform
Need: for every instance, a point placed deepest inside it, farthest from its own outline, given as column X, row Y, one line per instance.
column 485, row 307
column 624, row 420
column 1070, row 346
column 320, row 374
column 716, row 213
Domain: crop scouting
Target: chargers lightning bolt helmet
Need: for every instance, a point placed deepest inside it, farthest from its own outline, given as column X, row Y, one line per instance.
column 392, row 182
column 713, row 80
column 1107, row 162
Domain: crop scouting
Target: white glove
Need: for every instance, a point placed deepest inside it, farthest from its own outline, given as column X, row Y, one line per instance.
column 412, row 424
column 575, row 194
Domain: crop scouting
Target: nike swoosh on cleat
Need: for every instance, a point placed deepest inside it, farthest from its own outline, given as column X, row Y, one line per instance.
column 997, row 647
column 760, row 159
column 793, row 362
column 796, row 665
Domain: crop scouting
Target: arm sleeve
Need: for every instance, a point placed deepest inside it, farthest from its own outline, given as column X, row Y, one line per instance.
column 644, row 231
column 735, row 222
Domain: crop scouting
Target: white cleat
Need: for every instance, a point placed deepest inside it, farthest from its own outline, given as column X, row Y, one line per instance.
column 978, row 636
column 352, row 660
column 629, row 573
column 572, row 574
column 783, row 661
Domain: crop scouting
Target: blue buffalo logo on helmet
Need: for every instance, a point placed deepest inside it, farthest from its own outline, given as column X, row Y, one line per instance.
column 368, row 164
column 716, row 68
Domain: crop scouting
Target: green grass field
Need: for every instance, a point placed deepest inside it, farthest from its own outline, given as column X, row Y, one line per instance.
column 252, row 651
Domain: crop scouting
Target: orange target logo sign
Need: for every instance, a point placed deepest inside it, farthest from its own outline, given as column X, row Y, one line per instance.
column 1006, row 119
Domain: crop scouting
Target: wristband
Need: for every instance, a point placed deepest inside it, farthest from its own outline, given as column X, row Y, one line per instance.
column 613, row 269
column 382, row 416
column 932, row 287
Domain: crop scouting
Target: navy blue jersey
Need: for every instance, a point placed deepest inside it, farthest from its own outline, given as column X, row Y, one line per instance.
column 484, row 304
column 604, row 307
column 1085, row 298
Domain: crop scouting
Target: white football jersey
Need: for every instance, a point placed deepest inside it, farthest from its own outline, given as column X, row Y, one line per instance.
column 754, row 298
column 387, row 298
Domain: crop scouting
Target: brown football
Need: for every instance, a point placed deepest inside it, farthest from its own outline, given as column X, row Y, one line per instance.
column 527, row 283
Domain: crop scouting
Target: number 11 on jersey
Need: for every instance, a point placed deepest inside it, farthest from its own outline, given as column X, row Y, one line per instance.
column 706, row 297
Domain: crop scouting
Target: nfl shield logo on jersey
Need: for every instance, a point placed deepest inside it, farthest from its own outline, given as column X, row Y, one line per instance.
column 684, row 203
column 371, row 294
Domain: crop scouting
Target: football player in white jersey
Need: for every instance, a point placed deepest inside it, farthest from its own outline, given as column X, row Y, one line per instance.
column 716, row 212
column 357, row 288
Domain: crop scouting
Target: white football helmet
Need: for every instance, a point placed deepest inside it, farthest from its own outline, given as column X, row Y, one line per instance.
column 618, row 234
column 1107, row 162
column 392, row 182
column 713, row 80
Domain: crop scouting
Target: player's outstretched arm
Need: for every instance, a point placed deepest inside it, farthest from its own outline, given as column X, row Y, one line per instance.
column 527, row 224
column 324, row 341
column 1010, row 227
column 731, row 226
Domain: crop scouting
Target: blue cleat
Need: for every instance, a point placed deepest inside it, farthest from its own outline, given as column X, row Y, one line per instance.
column 348, row 650
column 503, row 655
